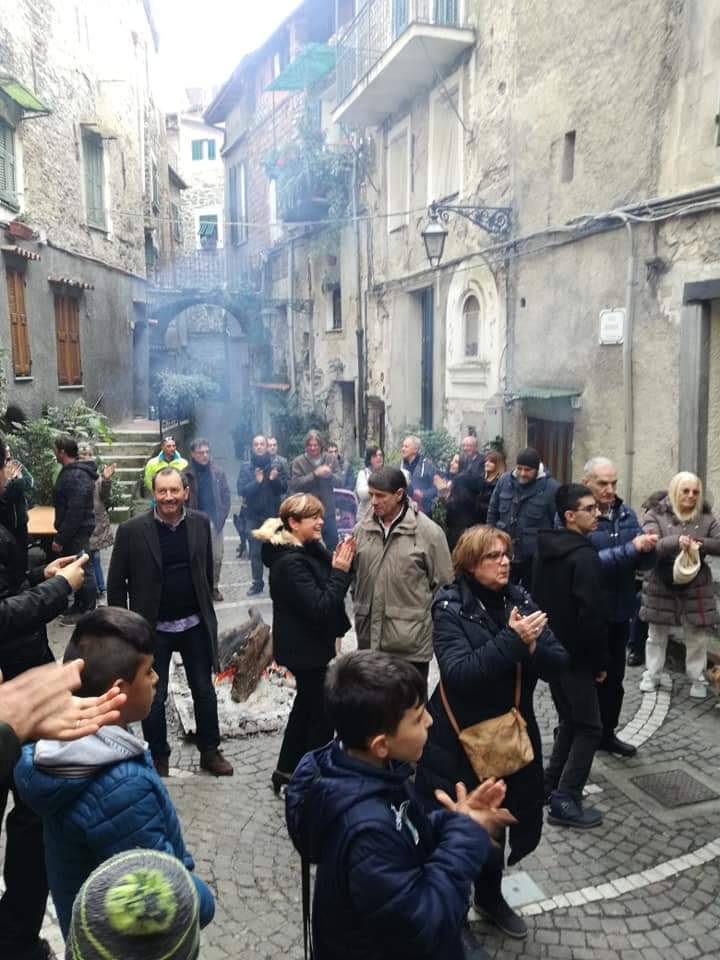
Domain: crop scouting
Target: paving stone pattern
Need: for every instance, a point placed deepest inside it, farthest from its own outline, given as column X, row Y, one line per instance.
column 638, row 888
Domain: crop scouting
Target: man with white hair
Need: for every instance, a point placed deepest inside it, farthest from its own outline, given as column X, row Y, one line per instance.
column 623, row 549
column 420, row 472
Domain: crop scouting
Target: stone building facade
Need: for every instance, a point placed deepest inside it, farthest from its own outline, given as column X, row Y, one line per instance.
column 84, row 201
column 302, row 265
column 596, row 136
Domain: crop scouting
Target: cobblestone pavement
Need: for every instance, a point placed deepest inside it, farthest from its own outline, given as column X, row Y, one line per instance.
column 643, row 887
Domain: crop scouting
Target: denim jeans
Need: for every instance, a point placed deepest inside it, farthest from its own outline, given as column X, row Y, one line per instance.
column 194, row 647
column 98, row 570
column 256, row 564
column 578, row 732
column 86, row 597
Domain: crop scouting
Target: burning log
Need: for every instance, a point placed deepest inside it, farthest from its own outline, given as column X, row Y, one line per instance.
column 244, row 653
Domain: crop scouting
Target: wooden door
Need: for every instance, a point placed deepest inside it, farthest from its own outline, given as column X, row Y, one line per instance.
column 22, row 362
column 553, row 441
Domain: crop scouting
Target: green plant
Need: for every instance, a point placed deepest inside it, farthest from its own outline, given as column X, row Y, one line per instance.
column 177, row 393
column 308, row 170
column 437, row 445
column 80, row 421
column 32, row 444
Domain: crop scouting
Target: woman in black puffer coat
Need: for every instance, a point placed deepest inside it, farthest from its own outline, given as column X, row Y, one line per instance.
column 483, row 628
column 307, row 587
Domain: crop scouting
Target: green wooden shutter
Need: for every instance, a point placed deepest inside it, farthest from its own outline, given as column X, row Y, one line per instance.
column 94, row 186
column 8, row 188
column 211, row 149
column 197, row 149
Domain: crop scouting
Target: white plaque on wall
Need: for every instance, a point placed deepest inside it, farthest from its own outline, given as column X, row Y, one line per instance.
column 612, row 325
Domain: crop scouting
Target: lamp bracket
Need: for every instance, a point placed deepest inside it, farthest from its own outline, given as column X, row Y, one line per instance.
column 496, row 221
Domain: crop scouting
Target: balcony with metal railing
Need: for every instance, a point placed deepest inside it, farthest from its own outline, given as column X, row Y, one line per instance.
column 391, row 51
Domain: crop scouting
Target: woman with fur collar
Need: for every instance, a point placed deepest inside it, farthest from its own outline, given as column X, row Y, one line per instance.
column 680, row 520
column 307, row 587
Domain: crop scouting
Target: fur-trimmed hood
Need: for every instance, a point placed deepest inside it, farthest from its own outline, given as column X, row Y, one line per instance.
column 272, row 531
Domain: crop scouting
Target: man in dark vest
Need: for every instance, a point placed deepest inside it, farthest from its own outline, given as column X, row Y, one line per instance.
column 162, row 568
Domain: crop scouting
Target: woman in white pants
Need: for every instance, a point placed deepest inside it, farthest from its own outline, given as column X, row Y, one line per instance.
column 680, row 519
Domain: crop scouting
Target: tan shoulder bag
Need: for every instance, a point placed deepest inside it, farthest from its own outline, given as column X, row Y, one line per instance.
column 496, row 747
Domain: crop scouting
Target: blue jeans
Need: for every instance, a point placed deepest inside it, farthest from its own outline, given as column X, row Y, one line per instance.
column 194, row 647
column 98, row 571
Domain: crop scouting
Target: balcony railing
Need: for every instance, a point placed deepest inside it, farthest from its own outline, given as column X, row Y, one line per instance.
column 202, row 270
column 378, row 25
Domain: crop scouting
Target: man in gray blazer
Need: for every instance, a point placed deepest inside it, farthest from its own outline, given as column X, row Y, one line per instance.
column 162, row 568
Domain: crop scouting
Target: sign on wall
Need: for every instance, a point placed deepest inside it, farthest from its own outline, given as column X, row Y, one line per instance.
column 612, row 326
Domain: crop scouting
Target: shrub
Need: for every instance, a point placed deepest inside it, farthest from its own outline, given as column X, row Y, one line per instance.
column 177, row 393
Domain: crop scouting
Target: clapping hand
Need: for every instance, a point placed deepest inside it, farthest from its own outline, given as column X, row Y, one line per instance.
column 39, row 704
column 108, row 471
column 528, row 628
column 482, row 805
column 344, row 553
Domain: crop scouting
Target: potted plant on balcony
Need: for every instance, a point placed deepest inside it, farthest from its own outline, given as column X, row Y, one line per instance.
column 313, row 178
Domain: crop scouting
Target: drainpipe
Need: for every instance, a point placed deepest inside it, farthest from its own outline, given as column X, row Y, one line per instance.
column 361, row 411
column 628, row 392
column 290, row 313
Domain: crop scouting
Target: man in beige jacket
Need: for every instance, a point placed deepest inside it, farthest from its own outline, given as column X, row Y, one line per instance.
column 401, row 559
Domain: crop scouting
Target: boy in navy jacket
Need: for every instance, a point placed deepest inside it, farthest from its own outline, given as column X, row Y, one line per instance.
column 101, row 795
column 391, row 881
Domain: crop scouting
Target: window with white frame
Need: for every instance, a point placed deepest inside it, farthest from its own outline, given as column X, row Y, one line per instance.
column 445, row 153
column 471, row 327
column 398, row 176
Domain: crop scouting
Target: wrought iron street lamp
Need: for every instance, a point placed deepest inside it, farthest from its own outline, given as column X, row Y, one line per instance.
column 494, row 220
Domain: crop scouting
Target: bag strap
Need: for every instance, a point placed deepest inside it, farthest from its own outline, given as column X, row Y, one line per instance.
column 448, row 711
column 451, row 715
column 307, row 920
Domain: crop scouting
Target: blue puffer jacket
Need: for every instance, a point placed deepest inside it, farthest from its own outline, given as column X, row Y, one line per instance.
column 98, row 797
column 620, row 559
column 521, row 509
column 392, row 882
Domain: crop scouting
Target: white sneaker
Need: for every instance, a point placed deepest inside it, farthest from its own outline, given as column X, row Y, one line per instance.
column 649, row 684
column 698, row 690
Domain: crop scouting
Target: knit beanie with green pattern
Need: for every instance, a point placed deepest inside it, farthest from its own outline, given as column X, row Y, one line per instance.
column 141, row 905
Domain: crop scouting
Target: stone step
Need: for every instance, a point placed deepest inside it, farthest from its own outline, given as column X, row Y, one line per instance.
column 135, row 436
column 132, row 450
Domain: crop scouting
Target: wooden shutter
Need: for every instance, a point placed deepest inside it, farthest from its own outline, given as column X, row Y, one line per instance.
column 67, row 337
column 197, row 149
column 22, row 364
column 7, row 162
column 211, row 149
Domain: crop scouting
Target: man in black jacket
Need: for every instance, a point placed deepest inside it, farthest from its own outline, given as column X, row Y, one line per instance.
column 567, row 585
column 73, row 499
column 209, row 493
column 24, row 611
column 162, row 568
column 262, row 483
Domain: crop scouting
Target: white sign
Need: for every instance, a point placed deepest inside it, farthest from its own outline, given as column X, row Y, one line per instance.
column 612, row 325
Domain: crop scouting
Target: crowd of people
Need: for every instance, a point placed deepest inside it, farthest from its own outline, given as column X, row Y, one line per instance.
column 410, row 807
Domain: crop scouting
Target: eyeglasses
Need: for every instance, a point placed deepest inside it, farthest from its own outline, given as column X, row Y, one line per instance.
column 497, row 556
column 591, row 508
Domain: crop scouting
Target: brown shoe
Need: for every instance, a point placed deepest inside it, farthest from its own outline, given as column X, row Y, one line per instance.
column 162, row 766
column 214, row 762
column 217, row 596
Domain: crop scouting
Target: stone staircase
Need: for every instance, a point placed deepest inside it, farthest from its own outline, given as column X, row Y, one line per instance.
column 129, row 451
